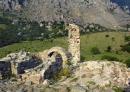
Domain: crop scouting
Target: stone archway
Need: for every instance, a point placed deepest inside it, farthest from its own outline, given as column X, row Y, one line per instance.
column 55, row 66
column 58, row 51
column 54, row 57
column 46, row 54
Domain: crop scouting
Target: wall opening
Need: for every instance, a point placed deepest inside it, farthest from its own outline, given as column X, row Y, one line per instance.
column 55, row 67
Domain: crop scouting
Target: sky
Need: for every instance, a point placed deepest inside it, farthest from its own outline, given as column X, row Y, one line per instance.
column 119, row 2
column 122, row 2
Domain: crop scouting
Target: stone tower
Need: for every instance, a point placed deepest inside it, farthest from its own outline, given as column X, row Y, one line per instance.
column 74, row 43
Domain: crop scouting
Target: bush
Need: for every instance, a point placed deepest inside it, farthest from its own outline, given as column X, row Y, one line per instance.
column 109, row 49
column 127, row 62
column 117, row 89
column 82, row 58
column 107, row 35
column 63, row 72
column 127, row 38
column 95, row 51
column 126, row 48
column 109, row 58
column 28, row 31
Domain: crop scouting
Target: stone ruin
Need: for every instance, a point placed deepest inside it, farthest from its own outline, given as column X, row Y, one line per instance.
column 59, row 54
column 74, row 43
column 73, row 52
column 51, row 61
column 55, row 58
column 16, row 63
column 94, row 75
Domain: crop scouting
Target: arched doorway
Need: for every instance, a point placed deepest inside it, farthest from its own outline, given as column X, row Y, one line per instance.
column 54, row 59
column 58, row 51
column 55, row 66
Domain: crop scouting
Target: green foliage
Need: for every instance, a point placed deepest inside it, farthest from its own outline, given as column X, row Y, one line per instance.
column 95, row 51
column 87, row 42
column 109, row 49
column 126, row 47
column 32, row 46
column 4, row 20
column 127, row 62
column 107, row 35
column 109, row 58
column 117, row 89
column 23, row 30
column 2, row 27
column 82, row 58
column 63, row 72
column 91, row 28
column 127, row 38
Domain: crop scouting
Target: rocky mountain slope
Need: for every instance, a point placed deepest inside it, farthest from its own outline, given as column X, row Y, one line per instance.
column 79, row 11
column 102, row 12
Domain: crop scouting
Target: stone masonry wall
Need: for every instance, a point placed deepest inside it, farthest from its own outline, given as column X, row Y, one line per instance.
column 74, row 43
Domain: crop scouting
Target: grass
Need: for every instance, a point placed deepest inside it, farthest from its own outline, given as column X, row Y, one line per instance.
column 100, row 41
column 3, row 27
column 88, row 41
column 32, row 46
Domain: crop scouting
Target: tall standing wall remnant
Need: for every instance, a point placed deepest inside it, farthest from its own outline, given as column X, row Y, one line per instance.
column 74, row 43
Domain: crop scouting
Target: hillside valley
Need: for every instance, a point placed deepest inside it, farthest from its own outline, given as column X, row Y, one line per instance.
column 64, row 46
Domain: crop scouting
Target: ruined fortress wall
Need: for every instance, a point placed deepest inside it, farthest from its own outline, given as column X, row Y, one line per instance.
column 74, row 43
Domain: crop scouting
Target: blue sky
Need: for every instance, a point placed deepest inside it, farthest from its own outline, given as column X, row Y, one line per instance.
column 122, row 2
column 119, row 2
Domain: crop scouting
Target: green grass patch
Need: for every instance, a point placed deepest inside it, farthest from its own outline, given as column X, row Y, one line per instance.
column 3, row 27
column 88, row 41
column 32, row 46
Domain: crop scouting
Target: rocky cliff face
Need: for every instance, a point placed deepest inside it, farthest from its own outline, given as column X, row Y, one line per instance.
column 103, row 12
column 11, row 5
column 78, row 11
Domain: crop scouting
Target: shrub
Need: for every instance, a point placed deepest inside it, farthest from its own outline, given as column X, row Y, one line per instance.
column 95, row 51
column 109, row 49
column 117, row 89
column 63, row 72
column 126, row 48
column 107, row 35
column 127, row 62
column 109, row 58
column 127, row 38
column 82, row 58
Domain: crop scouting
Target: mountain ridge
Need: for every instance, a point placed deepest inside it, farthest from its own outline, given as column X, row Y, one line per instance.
column 103, row 12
